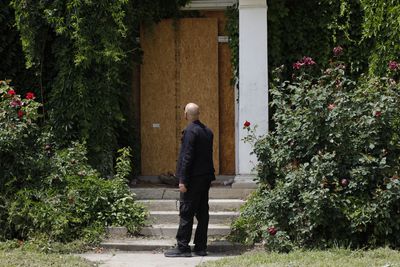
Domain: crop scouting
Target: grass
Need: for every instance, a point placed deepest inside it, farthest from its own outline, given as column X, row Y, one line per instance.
column 23, row 258
column 382, row 257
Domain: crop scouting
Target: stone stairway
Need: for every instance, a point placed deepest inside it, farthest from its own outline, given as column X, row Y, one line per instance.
column 160, row 230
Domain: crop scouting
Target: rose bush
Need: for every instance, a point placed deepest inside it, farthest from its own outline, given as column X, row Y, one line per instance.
column 51, row 193
column 329, row 169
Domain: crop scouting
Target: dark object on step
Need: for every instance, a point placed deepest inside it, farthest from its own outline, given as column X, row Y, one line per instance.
column 176, row 252
column 169, row 179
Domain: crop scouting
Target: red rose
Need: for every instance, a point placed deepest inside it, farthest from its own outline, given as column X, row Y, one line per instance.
column 378, row 113
column 272, row 230
column 246, row 124
column 20, row 114
column 11, row 92
column 331, row 106
column 30, row 95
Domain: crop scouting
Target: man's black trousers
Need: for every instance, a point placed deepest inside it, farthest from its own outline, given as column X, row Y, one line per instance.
column 194, row 203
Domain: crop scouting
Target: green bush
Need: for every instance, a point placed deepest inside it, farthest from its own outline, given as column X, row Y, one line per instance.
column 51, row 193
column 330, row 168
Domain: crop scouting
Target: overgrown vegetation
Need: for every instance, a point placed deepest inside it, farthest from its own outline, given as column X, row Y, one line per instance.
column 367, row 29
column 331, row 167
column 81, row 54
column 52, row 194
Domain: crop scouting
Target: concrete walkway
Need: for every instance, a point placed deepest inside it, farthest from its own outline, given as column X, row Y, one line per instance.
column 149, row 259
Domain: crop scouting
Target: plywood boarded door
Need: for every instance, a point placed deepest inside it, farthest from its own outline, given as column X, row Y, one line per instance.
column 157, row 99
column 198, row 73
column 180, row 65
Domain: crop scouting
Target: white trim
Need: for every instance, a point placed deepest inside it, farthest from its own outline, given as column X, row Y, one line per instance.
column 252, row 4
column 209, row 4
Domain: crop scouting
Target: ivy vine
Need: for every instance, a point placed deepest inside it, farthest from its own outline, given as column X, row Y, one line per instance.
column 232, row 30
column 380, row 24
column 311, row 28
column 83, row 52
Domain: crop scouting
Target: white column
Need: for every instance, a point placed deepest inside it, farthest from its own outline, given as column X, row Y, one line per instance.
column 253, row 83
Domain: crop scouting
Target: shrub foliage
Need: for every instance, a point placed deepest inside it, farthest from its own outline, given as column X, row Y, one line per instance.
column 330, row 169
column 53, row 193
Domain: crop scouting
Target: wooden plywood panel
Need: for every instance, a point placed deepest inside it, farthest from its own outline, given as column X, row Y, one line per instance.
column 220, row 15
column 226, row 112
column 198, row 73
column 157, row 97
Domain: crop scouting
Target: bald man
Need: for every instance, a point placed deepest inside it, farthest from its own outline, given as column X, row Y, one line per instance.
column 195, row 170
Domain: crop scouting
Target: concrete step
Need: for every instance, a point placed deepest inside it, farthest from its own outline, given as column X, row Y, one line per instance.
column 173, row 194
column 171, row 217
column 173, row 205
column 140, row 244
column 169, row 230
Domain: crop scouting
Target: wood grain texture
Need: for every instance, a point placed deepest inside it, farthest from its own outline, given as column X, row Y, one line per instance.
column 226, row 112
column 157, row 97
column 226, row 99
column 220, row 16
column 198, row 71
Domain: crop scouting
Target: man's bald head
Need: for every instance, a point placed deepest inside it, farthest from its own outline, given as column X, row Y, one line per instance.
column 192, row 112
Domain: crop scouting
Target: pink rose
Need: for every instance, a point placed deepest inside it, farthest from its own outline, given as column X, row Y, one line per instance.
column 393, row 65
column 337, row 51
column 331, row 106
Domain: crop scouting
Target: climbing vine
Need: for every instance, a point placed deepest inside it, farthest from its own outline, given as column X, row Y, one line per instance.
column 309, row 28
column 381, row 23
column 232, row 29
column 91, row 46
column 12, row 66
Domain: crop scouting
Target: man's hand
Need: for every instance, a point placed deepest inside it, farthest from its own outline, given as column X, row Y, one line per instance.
column 182, row 188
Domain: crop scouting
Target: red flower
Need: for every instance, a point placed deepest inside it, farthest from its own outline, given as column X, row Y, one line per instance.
column 272, row 230
column 11, row 92
column 331, row 106
column 246, row 124
column 337, row 51
column 393, row 65
column 378, row 113
column 30, row 95
column 20, row 114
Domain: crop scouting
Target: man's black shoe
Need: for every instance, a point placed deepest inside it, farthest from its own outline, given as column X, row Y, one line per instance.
column 201, row 253
column 176, row 252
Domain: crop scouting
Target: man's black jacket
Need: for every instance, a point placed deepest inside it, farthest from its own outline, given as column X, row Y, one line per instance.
column 196, row 154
